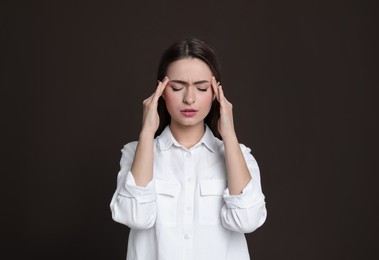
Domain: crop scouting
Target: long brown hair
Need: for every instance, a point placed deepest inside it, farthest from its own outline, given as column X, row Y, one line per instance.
column 189, row 48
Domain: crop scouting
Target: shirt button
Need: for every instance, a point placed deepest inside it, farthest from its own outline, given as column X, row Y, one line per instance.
column 188, row 155
column 189, row 208
column 186, row 236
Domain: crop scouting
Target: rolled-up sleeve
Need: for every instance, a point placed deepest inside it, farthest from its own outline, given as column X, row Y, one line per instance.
column 245, row 212
column 132, row 205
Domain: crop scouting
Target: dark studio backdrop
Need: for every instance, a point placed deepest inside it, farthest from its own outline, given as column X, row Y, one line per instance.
column 303, row 79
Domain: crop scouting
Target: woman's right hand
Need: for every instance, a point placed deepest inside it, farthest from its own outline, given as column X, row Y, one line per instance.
column 150, row 121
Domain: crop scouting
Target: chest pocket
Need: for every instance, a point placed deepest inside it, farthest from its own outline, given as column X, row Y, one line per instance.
column 211, row 201
column 167, row 198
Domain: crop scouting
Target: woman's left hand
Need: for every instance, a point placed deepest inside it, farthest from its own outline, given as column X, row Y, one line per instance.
column 225, row 123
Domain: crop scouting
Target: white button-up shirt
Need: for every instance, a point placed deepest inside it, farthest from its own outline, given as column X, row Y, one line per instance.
column 186, row 211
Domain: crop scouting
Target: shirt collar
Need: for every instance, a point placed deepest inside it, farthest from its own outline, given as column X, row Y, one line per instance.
column 166, row 139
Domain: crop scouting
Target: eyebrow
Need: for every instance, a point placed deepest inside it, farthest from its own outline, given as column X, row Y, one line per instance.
column 187, row 84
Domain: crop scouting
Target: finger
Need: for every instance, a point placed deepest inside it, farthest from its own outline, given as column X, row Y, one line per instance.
column 161, row 87
column 225, row 102
column 215, row 87
column 156, row 90
column 221, row 94
column 166, row 80
column 164, row 84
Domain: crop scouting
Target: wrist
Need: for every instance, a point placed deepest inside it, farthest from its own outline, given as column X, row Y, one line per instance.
column 230, row 137
column 146, row 135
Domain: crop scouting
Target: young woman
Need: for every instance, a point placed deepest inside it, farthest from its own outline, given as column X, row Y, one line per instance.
column 187, row 189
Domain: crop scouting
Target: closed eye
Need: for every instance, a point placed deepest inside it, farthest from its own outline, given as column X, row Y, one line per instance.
column 176, row 88
column 202, row 87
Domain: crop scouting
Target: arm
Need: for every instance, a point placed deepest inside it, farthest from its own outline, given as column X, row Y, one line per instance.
column 245, row 208
column 236, row 168
column 133, row 203
column 142, row 167
column 246, row 211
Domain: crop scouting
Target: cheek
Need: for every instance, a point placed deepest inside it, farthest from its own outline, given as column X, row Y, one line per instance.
column 170, row 99
column 207, row 99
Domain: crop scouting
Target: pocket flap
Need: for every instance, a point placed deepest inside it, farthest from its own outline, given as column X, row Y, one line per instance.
column 212, row 187
column 167, row 188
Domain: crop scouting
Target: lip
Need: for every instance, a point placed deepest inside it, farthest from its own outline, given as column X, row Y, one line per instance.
column 189, row 112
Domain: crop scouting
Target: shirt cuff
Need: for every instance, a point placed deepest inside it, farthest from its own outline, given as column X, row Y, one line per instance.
column 141, row 194
column 250, row 196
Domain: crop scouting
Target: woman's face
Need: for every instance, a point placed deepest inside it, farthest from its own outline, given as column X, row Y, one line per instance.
column 189, row 94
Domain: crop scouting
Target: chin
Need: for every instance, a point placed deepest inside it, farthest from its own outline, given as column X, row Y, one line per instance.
column 188, row 122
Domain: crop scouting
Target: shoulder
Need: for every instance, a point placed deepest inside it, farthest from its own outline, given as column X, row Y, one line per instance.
column 129, row 148
column 246, row 151
column 220, row 147
column 248, row 155
column 244, row 148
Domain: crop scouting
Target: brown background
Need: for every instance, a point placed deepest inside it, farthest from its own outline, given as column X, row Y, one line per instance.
column 303, row 78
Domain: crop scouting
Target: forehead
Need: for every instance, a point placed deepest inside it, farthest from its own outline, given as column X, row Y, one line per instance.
column 189, row 69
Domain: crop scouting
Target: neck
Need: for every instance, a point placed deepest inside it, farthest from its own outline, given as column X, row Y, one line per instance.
column 187, row 136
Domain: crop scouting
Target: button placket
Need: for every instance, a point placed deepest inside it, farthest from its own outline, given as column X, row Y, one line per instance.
column 188, row 198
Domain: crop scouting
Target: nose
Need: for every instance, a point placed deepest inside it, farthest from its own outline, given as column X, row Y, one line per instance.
column 189, row 96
